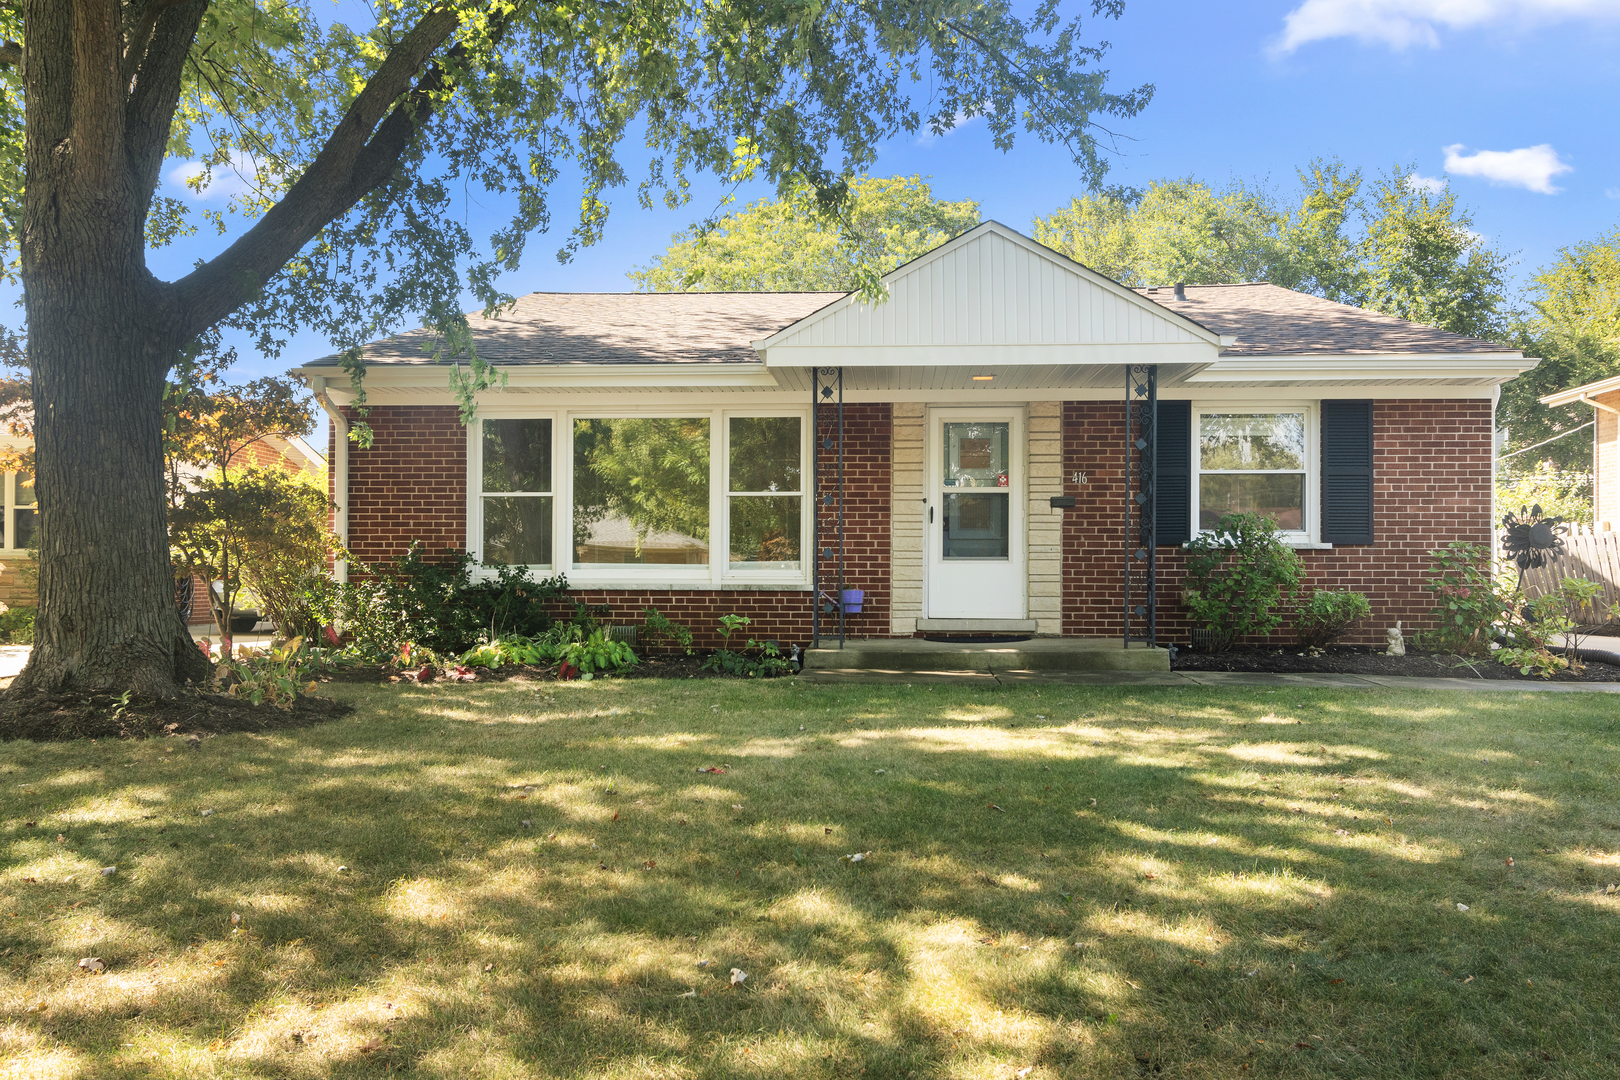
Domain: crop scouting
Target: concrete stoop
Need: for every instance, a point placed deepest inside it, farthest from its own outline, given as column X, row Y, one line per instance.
column 1037, row 654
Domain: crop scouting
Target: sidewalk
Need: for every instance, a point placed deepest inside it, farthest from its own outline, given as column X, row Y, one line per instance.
column 1197, row 679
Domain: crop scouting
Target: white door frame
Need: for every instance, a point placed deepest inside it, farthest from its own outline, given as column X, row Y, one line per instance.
column 1014, row 590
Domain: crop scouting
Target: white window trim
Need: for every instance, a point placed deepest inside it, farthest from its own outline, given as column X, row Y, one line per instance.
column 1306, row 538
column 718, row 574
column 11, row 506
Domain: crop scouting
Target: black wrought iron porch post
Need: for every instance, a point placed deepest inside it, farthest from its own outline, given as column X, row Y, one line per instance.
column 842, row 615
column 815, row 511
column 1141, row 621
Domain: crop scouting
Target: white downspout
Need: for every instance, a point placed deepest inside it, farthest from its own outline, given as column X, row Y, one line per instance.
column 340, row 474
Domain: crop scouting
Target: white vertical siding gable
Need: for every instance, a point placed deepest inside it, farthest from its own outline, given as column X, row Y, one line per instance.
column 993, row 287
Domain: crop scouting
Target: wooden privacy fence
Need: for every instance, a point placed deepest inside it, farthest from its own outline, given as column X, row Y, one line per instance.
column 1587, row 553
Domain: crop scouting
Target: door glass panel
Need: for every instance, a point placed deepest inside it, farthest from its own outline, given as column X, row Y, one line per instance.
column 976, row 454
column 976, row 525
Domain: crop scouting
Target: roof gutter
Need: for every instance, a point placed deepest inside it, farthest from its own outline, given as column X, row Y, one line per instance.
column 340, row 474
column 1586, row 399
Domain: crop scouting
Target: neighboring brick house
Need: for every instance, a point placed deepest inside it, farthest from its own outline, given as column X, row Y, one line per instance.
column 272, row 451
column 1023, row 442
column 1604, row 397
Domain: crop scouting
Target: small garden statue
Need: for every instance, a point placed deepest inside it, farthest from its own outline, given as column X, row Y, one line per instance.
column 1397, row 643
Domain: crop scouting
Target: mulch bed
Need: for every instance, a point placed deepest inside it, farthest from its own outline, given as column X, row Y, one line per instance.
column 53, row 717
column 1362, row 660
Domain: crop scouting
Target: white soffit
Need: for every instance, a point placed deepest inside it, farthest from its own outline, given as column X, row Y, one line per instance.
column 992, row 297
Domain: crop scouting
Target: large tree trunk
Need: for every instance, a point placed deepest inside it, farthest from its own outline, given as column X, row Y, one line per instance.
column 102, row 334
column 107, row 617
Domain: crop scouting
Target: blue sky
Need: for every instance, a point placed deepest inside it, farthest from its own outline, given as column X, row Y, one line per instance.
column 1251, row 89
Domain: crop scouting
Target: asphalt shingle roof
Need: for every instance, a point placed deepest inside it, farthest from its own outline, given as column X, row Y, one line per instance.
column 619, row 328
column 717, row 328
column 1269, row 320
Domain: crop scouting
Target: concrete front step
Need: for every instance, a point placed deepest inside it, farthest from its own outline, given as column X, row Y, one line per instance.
column 1037, row 654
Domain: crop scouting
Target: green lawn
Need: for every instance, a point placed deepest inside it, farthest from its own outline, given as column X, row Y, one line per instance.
column 1080, row 882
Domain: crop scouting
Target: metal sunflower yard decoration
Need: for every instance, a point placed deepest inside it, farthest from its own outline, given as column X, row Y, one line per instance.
column 1530, row 538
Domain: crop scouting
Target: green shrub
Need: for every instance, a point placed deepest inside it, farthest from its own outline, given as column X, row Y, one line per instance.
column 1237, row 576
column 1472, row 603
column 537, row 651
column 669, row 634
column 1325, row 617
column 272, row 677
column 599, row 653
column 17, row 625
column 756, row 659
column 434, row 604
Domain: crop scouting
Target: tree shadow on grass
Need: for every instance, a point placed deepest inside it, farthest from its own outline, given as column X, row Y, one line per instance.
column 1217, row 907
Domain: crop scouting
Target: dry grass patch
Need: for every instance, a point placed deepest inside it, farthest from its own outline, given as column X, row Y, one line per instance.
column 557, row 881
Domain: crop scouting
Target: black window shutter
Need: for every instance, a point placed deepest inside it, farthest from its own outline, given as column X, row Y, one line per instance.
column 1347, row 472
column 1172, row 487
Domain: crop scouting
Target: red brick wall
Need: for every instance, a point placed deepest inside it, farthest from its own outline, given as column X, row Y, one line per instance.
column 1432, row 485
column 410, row 485
column 868, row 438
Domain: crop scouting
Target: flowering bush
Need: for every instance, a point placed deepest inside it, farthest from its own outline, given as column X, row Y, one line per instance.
column 1472, row 605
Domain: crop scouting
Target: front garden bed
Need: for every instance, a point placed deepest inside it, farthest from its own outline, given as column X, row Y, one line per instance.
column 1362, row 660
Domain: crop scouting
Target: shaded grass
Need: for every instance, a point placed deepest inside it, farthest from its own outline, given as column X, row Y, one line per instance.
column 537, row 880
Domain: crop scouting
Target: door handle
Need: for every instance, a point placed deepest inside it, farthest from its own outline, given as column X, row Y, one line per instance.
column 930, row 515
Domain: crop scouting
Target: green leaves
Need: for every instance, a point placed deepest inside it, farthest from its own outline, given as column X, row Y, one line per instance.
column 1400, row 249
column 1237, row 575
column 1573, row 324
column 791, row 243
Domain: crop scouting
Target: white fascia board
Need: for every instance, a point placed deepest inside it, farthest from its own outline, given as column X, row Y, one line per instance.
column 1486, row 368
column 1575, row 393
column 985, row 356
column 435, row 380
column 1063, row 262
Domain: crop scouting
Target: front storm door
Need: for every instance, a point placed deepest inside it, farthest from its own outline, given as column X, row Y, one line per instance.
column 975, row 512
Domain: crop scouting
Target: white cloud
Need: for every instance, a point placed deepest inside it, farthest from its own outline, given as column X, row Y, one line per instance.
column 241, row 175
column 1529, row 167
column 1430, row 185
column 1612, row 193
column 959, row 119
column 1401, row 24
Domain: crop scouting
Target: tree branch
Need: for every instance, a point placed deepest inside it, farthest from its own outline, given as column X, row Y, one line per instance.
column 154, row 95
column 138, row 32
column 349, row 165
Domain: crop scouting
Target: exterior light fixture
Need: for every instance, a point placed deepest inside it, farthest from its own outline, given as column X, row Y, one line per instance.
column 983, row 378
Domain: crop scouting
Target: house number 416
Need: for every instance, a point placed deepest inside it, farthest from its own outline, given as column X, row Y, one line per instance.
column 1077, row 478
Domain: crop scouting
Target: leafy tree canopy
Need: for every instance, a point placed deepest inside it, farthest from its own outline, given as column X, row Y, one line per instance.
column 1395, row 245
column 1573, row 323
column 788, row 244
column 355, row 144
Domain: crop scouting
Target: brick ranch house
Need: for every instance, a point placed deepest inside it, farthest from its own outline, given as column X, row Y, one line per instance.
column 1010, row 443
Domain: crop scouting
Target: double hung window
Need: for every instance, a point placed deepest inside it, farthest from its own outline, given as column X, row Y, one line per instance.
column 517, row 503
column 1257, row 462
column 20, row 514
column 765, row 492
column 703, row 496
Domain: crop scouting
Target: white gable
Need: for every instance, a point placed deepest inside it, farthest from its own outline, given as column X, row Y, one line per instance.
column 993, row 296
